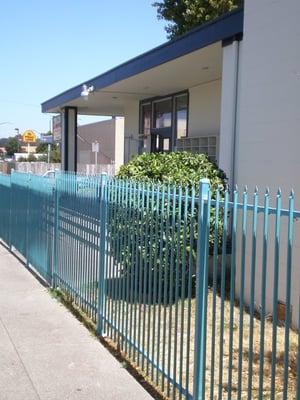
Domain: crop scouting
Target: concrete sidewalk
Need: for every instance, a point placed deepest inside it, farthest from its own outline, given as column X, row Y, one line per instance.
column 45, row 353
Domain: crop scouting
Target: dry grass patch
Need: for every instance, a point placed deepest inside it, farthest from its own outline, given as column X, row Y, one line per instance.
column 153, row 325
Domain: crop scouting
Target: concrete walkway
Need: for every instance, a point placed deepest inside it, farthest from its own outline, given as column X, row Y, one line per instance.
column 45, row 353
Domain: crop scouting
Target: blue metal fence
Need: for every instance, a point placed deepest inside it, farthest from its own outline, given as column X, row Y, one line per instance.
column 199, row 291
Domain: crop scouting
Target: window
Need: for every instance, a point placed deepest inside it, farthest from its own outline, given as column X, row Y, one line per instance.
column 162, row 113
column 145, row 128
column 146, row 119
column 165, row 120
column 181, row 115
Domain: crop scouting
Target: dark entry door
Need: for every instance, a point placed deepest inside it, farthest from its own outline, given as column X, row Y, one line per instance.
column 161, row 140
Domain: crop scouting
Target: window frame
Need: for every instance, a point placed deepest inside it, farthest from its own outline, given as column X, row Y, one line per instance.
column 187, row 114
column 156, row 99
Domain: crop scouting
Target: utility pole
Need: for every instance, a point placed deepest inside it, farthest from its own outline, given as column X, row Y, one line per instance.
column 49, row 152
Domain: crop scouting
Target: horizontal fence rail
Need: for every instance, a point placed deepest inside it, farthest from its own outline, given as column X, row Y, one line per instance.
column 197, row 286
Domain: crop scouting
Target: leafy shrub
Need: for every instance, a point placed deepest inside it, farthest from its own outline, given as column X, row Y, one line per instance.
column 182, row 168
column 31, row 158
column 166, row 170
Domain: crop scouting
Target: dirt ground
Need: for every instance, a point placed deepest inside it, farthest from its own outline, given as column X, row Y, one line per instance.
column 175, row 325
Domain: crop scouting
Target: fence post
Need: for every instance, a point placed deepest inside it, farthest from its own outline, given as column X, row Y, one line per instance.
column 201, row 289
column 102, row 249
column 55, row 234
column 27, row 220
column 10, row 213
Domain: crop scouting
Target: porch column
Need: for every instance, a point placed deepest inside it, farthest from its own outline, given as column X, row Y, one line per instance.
column 69, row 139
column 229, row 103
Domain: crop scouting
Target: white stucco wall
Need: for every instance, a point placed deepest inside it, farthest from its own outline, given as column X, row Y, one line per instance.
column 119, row 142
column 204, row 109
column 269, row 117
column 131, row 130
column 270, row 95
column 232, row 54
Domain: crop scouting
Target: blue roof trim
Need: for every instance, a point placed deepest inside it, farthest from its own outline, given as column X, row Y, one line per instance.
column 227, row 26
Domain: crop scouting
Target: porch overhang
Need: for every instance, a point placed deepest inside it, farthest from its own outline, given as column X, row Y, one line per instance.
column 192, row 59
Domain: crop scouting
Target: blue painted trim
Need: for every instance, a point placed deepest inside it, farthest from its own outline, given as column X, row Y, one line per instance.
column 225, row 27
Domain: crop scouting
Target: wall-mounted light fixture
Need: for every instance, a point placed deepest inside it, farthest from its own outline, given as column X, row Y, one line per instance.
column 86, row 90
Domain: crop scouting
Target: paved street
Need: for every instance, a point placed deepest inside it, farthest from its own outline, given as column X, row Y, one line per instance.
column 45, row 353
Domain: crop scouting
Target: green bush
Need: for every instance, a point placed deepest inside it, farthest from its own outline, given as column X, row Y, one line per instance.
column 180, row 169
column 31, row 158
column 183, row 168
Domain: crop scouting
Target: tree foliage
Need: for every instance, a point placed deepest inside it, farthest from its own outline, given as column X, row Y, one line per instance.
column 12, row 146
column 184, row 15
column 55, row 157
column 31, row 158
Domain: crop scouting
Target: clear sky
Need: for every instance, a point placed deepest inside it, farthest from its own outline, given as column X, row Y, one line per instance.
column 48, row 47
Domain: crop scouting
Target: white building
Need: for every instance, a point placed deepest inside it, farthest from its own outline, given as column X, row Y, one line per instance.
column 230, row 88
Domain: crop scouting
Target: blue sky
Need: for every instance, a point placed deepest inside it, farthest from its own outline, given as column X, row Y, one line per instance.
column 48, row 47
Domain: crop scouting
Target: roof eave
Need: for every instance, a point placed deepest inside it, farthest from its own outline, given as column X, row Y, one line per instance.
column 223, row 28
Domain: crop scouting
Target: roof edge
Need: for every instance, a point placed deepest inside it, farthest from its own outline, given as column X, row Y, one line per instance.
column 222, row 28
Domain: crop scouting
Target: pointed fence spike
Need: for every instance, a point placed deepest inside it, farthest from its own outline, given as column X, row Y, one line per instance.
column 279, row 192
column 292, row 194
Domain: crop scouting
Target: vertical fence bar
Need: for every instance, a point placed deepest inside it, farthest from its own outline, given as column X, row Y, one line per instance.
column 288, row 295
column 116, row 260
column 27, row 222
column 146, row 273
column 275, row 293
column 242, row 291
column 141, row 269
column 136, row 271
column 201, row 290
column 223, row 287
column 130, row 213
column 10, row 212
column 263, row 294
column 171, row 285
column 132, row 268
column 189, row 292
column 214, row 293
column 102, row 258
column 121, row 252
column 112, row 230
column 183, row 292
column 55, row 233
column 232, row 289
column 150, row 273
column 155, row 272
column 177, row 288
column 252, row 292
column 127, row 225
column 160, row 278
column 166, row 285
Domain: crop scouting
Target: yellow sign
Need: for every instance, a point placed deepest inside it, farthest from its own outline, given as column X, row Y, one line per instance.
column 29, row 137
